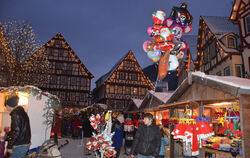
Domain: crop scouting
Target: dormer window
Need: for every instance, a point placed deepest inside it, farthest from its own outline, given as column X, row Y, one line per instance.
column 231, row 41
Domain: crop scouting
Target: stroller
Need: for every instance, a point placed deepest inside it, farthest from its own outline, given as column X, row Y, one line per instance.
column 48, row 149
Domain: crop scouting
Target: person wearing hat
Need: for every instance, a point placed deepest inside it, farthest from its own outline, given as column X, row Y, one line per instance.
column 20, row 134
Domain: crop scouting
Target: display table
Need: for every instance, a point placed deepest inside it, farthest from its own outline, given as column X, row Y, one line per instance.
column 218, row 153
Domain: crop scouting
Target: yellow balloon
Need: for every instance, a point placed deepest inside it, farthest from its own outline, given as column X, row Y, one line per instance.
column 107, row 116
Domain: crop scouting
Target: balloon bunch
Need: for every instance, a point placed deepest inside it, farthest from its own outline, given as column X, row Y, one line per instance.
column 102, row 141
column 167, row 47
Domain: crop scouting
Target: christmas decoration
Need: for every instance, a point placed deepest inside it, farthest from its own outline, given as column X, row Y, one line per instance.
column 102, row 141
column 26, row 60
column 167, row 47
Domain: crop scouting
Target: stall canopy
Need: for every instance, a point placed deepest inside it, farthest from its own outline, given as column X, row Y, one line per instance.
column 201, row 89
column 96, row 105
column 154, row 99
column 40, row 107
column 134, row 105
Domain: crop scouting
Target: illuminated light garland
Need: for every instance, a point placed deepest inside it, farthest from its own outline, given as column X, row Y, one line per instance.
column 26, row 62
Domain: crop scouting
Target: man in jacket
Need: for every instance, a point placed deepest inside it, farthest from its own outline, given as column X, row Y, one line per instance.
column 147, row 140
column 117, row 138
column 19, row 136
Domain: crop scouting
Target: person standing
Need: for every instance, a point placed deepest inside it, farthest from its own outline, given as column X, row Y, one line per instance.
column 164, row 143
column 147, row 140
column 117, row 138
column 87, row 131
column 20, row 134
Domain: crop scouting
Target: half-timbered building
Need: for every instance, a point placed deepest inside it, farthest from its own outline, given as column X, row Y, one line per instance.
column 124, row 81
column 69, row 79
column 218, row 47
column 241, row 15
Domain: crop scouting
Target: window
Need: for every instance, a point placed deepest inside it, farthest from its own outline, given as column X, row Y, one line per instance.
column 53, row 79
column 50, row 65
column 143, row 91
column 227, row 71
column 212, row 50
column 206, row 55
column 128, row 89
column 82, row 96
column 135, row 90
column 218, row 73
column 134, row 77
column 60, row 53
column 69, row 67
column 73, row 96
column 57, row 42
column 119, row 89
column 63, row 80
column 231, row 42
column 73, row 81
column 63, row 95
column 83, row 82
column 51, row 53
column 59, row 66
column 247, row 21
column 238, row 69
column 111, row 89
column 132, row 65
column 111, row 103
column 119, row 104
column 122, row 76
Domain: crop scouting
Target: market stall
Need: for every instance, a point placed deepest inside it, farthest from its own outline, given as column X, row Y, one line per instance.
column 39, row 106
column 224, row 102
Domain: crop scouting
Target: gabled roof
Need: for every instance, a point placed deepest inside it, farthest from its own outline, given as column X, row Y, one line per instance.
column 106, row 76
column 228, row 84
column 154, row 99
column 192, row 42
column 59, row 35
column 163, row 96
column 220, row 25
column 137, row 102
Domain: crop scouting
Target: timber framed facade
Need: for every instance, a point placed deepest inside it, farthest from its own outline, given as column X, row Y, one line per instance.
column 124, row 81
column 241, row 15
column 69, row 79
column 218, row 47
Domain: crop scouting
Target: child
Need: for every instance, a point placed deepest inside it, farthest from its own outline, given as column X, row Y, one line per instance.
column 164, row 143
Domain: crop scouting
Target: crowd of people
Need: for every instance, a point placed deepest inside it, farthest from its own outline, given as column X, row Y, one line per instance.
column 143, row 138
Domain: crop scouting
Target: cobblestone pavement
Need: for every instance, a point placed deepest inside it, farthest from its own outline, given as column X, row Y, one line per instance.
column 75, row 149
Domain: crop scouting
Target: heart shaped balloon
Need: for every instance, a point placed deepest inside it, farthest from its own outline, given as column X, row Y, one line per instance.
column 154, row 56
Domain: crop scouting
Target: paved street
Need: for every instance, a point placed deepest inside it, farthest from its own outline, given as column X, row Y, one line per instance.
column 75, row 150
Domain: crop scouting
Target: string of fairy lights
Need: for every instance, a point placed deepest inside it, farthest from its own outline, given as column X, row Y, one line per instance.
column 26, row 61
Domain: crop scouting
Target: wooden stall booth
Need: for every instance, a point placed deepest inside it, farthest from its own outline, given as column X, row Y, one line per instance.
column 40, row 107
column 210, row 93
